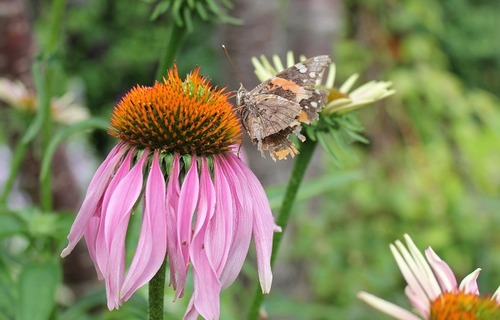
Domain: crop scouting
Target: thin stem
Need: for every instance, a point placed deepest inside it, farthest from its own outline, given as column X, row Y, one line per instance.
column 45, row 94
column 44, row 104
column 176, row 37
column 156, row 293
column 299, row 169
column 17, row 160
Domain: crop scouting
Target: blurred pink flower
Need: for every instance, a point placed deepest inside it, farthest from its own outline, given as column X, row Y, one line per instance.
column 432, row 289
column 199, row 210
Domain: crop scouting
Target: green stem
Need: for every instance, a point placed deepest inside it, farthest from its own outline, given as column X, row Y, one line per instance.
column 45, row 94
column 44, row 103
column 176, row 38
column 156, row 293
column 299, row 169
column 17, row 160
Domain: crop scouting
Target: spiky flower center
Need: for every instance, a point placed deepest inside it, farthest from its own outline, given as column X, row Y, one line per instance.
column 187, row 117
column 464, row 306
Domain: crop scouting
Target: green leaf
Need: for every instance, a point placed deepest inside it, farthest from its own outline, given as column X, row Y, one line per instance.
column 176, row 12
column 201, row 11
column 37, row 290
column 160, row 9
column 10, row 225
column 187, row 19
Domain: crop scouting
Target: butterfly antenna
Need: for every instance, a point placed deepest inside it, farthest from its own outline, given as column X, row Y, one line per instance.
column 238, row 74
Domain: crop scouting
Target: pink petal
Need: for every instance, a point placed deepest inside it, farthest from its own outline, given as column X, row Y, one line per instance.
column 95, row 191
column 178, row 273
column 90, row 238
column 496, row 295
column 152, row 244
column 206, row 284
column 102, row 243
column 117, row 217
column 191, row 312
column 243, row 219
column 220, row 229
column 419, row 302
column 188, row 200
column 263, row 226
column 442, row 271
column 469, row 283
column 415, row 293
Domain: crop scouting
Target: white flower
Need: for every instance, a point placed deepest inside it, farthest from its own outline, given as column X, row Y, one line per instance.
column 339, row 100
column 66, row 109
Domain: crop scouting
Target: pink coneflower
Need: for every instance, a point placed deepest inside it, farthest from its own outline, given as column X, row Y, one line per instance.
column 432, row 289
column 200, row 202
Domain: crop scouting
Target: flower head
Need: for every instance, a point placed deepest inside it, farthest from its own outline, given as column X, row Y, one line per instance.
column 432, row 289
column 200, row 203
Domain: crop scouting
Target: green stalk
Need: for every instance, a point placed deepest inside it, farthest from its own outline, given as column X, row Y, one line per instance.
column 176, row 38
column 299, row 169
column 44, row 105
column 156, row 293
column 45, row 94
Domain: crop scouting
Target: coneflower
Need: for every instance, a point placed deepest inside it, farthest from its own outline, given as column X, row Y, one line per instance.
column 200, row 203
column 433, row 291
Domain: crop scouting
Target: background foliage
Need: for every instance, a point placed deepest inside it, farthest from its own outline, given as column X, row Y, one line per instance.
column 430, row 170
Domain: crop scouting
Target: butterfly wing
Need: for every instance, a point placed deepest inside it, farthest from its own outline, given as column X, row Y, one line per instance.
column 273, row 114
column 276, row 108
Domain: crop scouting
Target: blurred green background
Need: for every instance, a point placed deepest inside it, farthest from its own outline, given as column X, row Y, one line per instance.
column 431, row 168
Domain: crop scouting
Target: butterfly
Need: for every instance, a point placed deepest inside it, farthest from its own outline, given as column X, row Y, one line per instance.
column 276, row 108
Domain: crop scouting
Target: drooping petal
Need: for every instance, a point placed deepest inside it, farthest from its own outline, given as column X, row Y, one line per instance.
column 387, row 307
column 117, row 218
column 263, row 227
column 91, row 233
column 177, row 271
column 207, row 287
column 220, row 228
column 102, row 242
column 469, row 283
column 443, row 272
column 152, row 245
column 243, row 220
column 95, row 192
column 188, row 200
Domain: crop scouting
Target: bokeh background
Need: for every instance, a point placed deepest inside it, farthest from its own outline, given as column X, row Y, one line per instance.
column 431, row 168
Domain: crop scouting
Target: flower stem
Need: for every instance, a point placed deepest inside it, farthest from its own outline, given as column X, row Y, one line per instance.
column 177, row 35
column 45, row 93
column 299, row 169
column 156, row 293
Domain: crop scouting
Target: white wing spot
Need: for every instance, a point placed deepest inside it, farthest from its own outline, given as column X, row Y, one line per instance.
column 312, row 74
column 314, row 104
column 302, row 68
